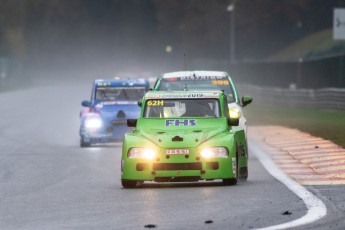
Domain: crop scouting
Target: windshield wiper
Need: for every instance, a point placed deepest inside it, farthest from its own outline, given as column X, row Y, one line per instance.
column 104, row 95
column 124, row 92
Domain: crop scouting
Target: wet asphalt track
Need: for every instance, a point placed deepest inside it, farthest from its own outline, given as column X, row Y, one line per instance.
column 48, row 182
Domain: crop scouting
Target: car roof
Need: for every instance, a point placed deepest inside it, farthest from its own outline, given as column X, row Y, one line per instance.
column 119, row 82
column 182, row 94
column 195, row 73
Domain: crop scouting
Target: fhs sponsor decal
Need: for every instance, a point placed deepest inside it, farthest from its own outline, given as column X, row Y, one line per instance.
column 178, row 122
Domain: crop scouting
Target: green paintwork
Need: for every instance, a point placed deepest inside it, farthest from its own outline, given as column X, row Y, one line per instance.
column 209, row 132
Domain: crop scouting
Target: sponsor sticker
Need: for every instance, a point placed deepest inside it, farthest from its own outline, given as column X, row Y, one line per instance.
column 220, row 82
column 103, row 83
column 241, row 150
column 201, row 78
column 183, row 95
column 196, row 95
column 155, row 103
column 180, row 122
column 234, row 165
column 120, row 103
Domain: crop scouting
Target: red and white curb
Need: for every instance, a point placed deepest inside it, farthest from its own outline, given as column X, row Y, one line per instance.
column 307, row 159
column 316, row 208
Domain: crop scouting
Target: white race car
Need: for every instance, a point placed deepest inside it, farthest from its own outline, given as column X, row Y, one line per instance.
column 206, row 80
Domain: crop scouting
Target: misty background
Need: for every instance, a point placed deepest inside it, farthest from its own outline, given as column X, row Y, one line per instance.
column 274, row 43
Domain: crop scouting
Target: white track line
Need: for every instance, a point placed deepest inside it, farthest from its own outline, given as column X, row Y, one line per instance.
column 316, row 208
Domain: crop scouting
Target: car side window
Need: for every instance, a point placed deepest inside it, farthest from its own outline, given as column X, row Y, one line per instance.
column 226, row 109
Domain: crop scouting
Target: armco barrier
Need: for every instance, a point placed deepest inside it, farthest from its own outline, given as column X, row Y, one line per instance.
column 325, row 98
column 12, row 74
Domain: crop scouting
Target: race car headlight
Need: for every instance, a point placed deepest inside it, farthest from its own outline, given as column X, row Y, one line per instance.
column 235, row 113
column 145, row 153
column 93, row 123
column 215, row 152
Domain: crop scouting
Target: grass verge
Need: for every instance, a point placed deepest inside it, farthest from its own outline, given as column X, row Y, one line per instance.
column 328, row 124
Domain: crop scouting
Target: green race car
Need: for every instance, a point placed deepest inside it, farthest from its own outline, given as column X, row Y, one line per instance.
column 183, row 136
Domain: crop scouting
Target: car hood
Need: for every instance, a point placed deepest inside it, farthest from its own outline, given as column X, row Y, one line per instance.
column 119, row 111
column 183, row 137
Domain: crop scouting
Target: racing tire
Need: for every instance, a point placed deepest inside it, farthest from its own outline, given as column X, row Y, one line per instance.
column 244, row 177
column 84, row 144
column 130, row 183
column 244, row 173
column 244, row 170
column 232, row 181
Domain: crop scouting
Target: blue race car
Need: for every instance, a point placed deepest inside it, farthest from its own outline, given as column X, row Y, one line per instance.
column 112, row 102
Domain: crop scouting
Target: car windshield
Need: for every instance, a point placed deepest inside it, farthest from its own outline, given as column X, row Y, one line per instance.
column 176, row 84
column 182, row 108
column 119, row 93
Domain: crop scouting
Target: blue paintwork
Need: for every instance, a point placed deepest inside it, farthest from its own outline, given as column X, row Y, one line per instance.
column 113, row 113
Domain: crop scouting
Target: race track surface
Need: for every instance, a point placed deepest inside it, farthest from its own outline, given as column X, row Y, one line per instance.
column 48, row 182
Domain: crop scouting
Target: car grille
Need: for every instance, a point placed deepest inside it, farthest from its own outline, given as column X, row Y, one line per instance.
column 177, row 166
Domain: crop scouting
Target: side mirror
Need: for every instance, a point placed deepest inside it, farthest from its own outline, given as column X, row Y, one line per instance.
column 140, row 102
column 233, row 121
column 86, row 103
column 246, row 100
column 131, row 122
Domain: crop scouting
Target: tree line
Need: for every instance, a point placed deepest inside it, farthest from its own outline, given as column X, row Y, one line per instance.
column 38, row 30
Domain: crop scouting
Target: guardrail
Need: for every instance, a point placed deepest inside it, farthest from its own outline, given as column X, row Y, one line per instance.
column 325, row 98
column 11, row 74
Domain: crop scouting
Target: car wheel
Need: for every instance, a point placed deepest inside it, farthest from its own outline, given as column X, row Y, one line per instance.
column 244, row 170
column 233, row 181
column 130, row 183
column 244, row 173
column 83, row 143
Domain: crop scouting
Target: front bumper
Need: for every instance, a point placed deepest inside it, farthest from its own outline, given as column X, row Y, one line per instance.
column 102, row 135
column 178, row 168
